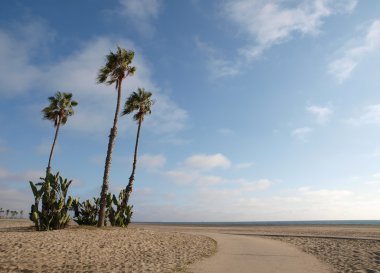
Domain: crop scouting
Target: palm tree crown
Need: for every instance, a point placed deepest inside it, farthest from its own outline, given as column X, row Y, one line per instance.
column 60, row 108
column 117, row 67
column 139, row 101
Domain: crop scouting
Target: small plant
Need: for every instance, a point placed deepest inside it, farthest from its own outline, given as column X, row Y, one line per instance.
column 121, row 214
column 86, row 213
column 52, row 193
column 118, row 214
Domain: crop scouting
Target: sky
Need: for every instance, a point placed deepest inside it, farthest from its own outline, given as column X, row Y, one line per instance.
column 264, row 110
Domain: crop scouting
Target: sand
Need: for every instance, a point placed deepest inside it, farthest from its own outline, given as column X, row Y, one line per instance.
column 97, row 250
column 243, row 254
column 184, row 248
column 343, row 248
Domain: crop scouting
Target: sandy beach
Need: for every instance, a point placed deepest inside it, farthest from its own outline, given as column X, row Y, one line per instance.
column 343, row 248
column 79, row 249
column 186, row 248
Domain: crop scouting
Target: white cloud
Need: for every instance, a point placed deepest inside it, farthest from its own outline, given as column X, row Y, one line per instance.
column 341, row 68
column 141, row 13
column 301, row 133
column 322, row 114
column 245, row 165
column 148, row 161
column 77, row 73
column 182, row 177
column 251, row 186
column 18, row 45
column 217, row 65
column 206, row 162
column 324, row 193
column 167, row 117
column 8, row 176
column 267, row 23
column 370, row 115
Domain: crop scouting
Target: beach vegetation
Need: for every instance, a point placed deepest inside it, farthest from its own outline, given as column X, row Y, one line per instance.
column 86, row 212
column 119, row 214
column 51, row 192
column 59, row 109
column 117, row 68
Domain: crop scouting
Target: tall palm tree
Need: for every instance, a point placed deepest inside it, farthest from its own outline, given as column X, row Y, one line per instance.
column 140, row 102
column 58, row 111
column 116, row 69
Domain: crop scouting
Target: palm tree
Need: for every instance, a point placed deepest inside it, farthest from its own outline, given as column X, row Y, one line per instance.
column 116, row 69
column 141, row 102
column 60, row 108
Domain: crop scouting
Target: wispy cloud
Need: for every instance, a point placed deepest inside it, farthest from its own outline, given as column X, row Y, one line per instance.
column 19, row 43
column 267, row 23
column 216, row 64
column 245, row 165
column 321, row 114
column 186, row 177
column 141, row 13
column 342, row 67
column 369, row 115
column 301, row 133
column 207, row 162
column 8, row 176
column 77, row 74
column 149, row 161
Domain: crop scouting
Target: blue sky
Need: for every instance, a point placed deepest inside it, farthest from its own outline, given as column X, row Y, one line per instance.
column 265, row 110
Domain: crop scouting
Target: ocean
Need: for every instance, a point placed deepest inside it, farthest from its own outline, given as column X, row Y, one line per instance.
column 271, row 223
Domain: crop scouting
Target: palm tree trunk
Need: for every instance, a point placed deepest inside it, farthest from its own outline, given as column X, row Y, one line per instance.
column 48, row 169
column 128, row 189
column 111, row 142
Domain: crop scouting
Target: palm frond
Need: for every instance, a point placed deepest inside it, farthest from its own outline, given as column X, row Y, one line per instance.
column 139, row 101
column 117, row 67
column 60, row 108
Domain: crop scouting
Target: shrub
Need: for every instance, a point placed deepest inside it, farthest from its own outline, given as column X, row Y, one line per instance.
column 52, row 192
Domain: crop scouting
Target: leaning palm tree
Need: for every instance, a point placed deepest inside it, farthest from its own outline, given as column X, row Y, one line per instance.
column 58, row 111
column 116, row 69
column 140, row 102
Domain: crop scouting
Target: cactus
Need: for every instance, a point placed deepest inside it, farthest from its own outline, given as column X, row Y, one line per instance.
column 122, row 214
column 86, row 213
column 54, row 208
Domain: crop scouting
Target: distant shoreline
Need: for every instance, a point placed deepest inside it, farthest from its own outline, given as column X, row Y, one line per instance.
column 271, row 223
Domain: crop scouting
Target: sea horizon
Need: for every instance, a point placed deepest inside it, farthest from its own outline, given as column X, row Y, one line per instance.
column 265, row 223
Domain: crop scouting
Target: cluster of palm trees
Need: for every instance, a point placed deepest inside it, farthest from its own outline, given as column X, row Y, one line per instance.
column 61, row 107
column 4, row 213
